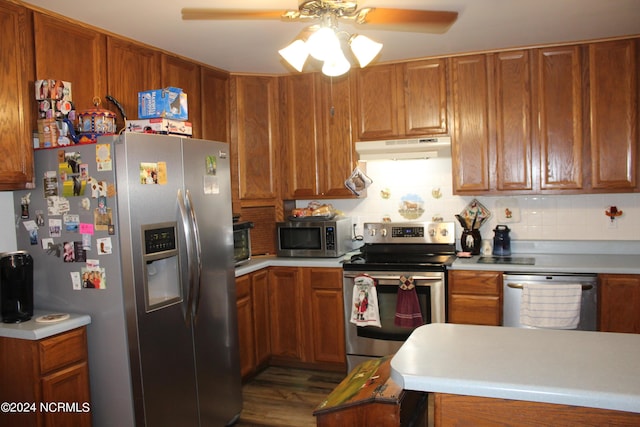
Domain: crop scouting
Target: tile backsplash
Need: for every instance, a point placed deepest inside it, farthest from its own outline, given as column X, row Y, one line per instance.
column 553, row 217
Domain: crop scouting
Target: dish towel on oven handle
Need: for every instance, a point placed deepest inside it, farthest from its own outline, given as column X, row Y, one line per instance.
column 550, row 306
column 364, row 310
column 408, row 313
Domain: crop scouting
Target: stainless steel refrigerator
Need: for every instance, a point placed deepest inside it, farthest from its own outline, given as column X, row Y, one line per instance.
column 136, row 231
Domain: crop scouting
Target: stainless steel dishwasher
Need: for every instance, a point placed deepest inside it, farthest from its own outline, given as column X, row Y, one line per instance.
column 513, row 284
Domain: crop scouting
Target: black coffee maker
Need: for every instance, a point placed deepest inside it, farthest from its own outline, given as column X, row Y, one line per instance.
column 16, row 286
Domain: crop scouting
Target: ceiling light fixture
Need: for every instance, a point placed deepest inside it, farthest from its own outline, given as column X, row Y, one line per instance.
column 324, row 45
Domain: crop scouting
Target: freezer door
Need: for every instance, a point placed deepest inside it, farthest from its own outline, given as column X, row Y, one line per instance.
column 207, row 183
column 149, row 175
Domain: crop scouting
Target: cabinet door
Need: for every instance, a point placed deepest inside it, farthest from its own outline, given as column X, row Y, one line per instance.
column 471, row 137
column 613, row 101
column 260, row 307
column 215, row 104
column 513, row 120
column 298, row 132
column 72, row 53
column 337, row 157
column 139, row 64
column 377, row 102
column 254, row 136
column 185, row 75
column 425, row 97
column 16, row 92
column 327, row 315
column 245, row 325
column 285, row 301
column 475, row 297
column 559, row 90
column 619, row 303
column 71, row 386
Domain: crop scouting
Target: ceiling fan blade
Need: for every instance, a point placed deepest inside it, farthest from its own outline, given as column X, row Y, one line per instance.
column 229, row 14
column 421, row 21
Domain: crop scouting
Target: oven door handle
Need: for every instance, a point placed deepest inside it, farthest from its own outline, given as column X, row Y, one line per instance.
column 521, row 286
column 391, row 277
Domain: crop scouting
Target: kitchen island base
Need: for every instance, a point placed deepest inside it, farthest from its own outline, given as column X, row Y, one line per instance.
column 457, row 410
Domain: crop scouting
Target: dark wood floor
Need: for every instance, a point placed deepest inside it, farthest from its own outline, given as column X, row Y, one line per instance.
column 285, row 397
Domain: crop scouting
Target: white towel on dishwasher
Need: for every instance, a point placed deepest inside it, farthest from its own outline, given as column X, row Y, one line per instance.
column 550, row 306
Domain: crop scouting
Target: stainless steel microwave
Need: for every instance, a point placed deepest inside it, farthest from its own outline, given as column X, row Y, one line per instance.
column 314, row 238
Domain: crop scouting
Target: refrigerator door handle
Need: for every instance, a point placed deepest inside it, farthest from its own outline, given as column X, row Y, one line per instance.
column 188, row 234
column 198, row 255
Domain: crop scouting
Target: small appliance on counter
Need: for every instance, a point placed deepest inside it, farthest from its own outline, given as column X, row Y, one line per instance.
column 241, row 241
column 16, row 286
column 501, row 241
column 314, row 237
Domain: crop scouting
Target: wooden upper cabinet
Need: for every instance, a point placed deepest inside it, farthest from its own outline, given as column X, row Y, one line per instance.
column 298, row 132
column 425, row 97
column 376, row 102
column 336, row 149
column 131, row 68
column 559, row 90
column 316, row 132
column 401, row 100
column 214, row 87
column 254, row 136
column 513, row 120
column 613, row 102
column 471, row 138
column 17, row 93
column 70, row 52
column 178, row 72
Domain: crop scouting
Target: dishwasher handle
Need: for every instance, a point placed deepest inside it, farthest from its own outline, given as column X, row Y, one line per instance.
column 520, row 286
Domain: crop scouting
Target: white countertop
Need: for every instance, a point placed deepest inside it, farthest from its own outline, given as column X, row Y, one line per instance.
column 560, row 263
column 264, row 261
column 592, row 369
column 32, row 330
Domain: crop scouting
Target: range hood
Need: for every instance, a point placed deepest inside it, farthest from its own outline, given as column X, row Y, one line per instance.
column 402, row 149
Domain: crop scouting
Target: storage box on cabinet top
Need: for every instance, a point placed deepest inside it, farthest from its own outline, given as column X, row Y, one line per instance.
column 168, row 103
column 159, row 125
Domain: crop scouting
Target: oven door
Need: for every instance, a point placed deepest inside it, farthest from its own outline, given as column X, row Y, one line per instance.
column 373, row 341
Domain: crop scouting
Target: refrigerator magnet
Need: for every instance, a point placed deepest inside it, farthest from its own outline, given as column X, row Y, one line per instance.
column 211, row 184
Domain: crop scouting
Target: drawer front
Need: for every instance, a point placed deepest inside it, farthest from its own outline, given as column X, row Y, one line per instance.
column 475, row 282
column 62, row 350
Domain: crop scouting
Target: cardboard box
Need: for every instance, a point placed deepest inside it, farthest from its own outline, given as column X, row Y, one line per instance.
column 168, row 103
column 159, row 125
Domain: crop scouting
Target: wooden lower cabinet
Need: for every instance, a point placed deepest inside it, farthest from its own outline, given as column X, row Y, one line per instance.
column 307, row 318
column 475, row 297
column 619, row 303
column 457, row 410
column 253, row 322
column 52, row 374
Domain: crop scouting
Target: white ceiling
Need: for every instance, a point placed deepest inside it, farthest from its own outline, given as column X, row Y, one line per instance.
column 251, row 46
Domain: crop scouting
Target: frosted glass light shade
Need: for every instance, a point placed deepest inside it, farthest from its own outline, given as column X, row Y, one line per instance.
column 323, row 43
column 295, row 54
column 336, row 64
column 364, row 49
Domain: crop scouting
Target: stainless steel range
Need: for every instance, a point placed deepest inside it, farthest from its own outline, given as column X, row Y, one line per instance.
column 407, row 255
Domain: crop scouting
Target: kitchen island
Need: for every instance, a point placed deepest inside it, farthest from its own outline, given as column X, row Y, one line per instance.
column 552, row 375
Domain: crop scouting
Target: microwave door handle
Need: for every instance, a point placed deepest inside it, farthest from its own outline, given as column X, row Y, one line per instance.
column 188, row 237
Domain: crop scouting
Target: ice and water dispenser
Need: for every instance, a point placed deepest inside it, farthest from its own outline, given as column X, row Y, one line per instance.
column 162, row 268
column 16, row 286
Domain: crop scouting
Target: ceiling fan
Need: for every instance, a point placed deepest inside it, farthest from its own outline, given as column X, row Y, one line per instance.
column 321, row 41
column 428, row 21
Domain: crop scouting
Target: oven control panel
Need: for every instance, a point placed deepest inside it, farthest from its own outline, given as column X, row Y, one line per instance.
column 409, row 232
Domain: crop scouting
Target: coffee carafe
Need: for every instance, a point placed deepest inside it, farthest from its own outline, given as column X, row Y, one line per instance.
column 501, row 241
column 16, row 286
